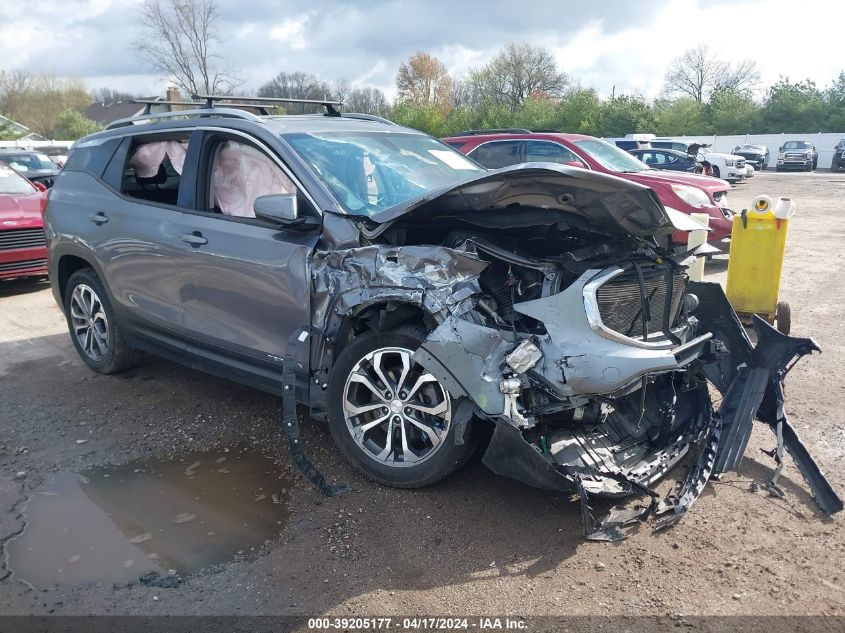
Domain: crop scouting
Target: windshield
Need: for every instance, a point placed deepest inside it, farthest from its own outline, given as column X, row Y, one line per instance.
column 611, row 157
column 796, row 145
column 371, row 171
column 12, row 182
column 31, row 161
column 750, row 148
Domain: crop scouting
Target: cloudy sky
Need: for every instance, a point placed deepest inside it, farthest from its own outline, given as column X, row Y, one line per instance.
column 601, row 43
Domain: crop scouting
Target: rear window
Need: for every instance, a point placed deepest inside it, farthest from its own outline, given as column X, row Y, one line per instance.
column 153, row 171
column 496, row 154
column 30, row 161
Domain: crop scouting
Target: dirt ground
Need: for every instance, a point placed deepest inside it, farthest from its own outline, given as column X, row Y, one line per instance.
column 473, row 544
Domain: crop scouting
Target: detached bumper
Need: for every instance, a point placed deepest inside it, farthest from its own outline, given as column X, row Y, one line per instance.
column 580, row 362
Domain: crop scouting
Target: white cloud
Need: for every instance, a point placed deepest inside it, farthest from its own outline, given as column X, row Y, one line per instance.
column 291, row 32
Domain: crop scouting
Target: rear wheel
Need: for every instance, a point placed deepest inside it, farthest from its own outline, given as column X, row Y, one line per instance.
column 390, row 417
column 93, row 327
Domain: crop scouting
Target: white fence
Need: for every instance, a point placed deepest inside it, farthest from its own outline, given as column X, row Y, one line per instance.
column 824, row 143
column 35, row 144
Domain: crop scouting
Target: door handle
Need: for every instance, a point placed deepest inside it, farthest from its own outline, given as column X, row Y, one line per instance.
column 195, row 239
column 98, row 218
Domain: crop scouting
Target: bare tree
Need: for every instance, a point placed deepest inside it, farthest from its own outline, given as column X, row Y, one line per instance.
column 297, row 85
column 179, row 38
column 367, row 100
column 519, row 71
column 743, row 78
column 697, row 73
column 424, row 81
column 37, row 101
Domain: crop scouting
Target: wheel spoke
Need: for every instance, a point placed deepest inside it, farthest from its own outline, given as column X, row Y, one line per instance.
column 379, row 369
column 364, row 380
column 430, row 431
column 407, row 454
column 406, row 368
column 388, row 443
column 354, row 409
column 372, row 424
column 423, row 379
column 438, row 409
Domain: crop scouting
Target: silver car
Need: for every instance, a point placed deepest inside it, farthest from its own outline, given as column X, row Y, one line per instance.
column 417, row 302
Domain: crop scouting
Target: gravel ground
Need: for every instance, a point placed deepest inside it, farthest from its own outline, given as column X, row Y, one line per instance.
column 474, row 544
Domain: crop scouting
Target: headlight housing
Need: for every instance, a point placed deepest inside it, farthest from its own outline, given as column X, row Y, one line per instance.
column 691, row 195
column 730, row 162
column 807, row 154
column 780, row 155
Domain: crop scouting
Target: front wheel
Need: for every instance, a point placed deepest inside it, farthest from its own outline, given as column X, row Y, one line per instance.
column 391, row 418
column 715, row 171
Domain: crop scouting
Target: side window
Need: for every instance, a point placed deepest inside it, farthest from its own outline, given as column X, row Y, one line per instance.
column 670, row 158
column 496, row 154
column 238, row 173
column 648, row 158
column 544, row 151
column 153, row 170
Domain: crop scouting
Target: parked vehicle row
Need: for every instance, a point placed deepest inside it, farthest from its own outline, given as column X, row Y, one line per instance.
column 34, row 165
column 686, row 192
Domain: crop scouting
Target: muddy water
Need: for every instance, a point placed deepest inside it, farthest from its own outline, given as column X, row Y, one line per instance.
column 114, row 524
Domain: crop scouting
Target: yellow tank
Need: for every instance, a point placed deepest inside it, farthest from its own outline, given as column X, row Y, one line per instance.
column 758, row 242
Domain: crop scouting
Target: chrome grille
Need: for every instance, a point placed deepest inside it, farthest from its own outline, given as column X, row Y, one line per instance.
column 620, row 304
column 22, row 238
column 6, row 267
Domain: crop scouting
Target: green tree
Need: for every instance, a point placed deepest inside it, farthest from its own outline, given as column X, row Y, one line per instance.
column 731, row 112
column 579, row 112
column 679, row 117
column 835, row 102
column 71, row 125
column 427, row 119
column 624, row 114
column 793, row 107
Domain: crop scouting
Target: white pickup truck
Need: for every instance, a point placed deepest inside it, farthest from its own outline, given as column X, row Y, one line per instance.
column 725, row 166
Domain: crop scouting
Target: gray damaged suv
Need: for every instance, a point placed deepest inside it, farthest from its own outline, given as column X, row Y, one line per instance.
column 417, row 302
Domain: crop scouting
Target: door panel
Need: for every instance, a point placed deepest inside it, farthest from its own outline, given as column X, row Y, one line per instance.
column 247, row 289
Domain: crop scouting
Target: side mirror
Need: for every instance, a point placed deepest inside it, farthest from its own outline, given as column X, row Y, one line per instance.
column 575, row 163
column 280, row 208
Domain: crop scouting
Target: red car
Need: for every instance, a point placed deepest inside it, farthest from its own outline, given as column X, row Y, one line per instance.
column 23, row 247
column 688, row 193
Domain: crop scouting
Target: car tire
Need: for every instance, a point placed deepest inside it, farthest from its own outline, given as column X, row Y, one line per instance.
column 358, row 397
column 715, row 171
column 93, row 326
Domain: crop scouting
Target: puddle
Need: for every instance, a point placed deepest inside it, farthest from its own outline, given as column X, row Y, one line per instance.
column 113, row 524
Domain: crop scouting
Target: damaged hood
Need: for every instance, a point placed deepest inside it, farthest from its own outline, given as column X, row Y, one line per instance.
column 593, row 201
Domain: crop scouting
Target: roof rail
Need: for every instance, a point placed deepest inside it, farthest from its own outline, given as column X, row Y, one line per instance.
column 263, row 108
column 331, row 110
column 229, row 113
column 368, row 117
column 497, row 130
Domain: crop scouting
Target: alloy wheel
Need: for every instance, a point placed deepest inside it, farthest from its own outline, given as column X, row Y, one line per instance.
column 89, row 322
column 396, row 412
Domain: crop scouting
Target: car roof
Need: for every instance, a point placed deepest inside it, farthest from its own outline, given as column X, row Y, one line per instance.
column 527, row 135
column 663, row 150
column 278, row 124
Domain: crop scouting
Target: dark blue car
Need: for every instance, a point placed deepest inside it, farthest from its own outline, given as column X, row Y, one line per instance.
column 670, row 159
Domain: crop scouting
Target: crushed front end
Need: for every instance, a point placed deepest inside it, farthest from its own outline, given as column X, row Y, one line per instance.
column 591, row 351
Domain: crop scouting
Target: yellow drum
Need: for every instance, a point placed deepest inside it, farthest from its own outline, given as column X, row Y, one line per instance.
column 758, row 241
